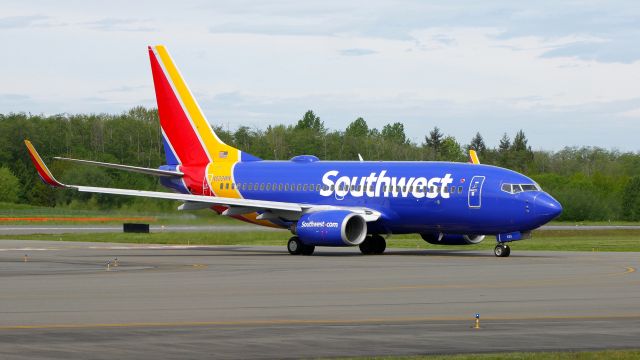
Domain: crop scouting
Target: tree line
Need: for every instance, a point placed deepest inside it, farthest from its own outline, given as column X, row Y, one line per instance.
column 592, row 183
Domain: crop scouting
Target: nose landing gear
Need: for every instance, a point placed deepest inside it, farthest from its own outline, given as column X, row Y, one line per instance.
column 502, row 250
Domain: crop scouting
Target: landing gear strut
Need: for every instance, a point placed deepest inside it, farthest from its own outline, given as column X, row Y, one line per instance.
column 297, row 247
column 502, row 250
column 374, row 244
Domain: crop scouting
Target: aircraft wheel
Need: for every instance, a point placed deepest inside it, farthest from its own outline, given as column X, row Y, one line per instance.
column 295, row 246
column 502, row 250
column 308, row 249
column 379, row 244
column 366, row 247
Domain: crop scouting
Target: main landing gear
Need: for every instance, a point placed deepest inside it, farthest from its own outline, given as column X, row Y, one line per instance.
column 502, row 250
column 296, row 247
column 374, row 244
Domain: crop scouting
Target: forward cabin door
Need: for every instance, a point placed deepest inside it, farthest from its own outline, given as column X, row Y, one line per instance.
column 475, row 192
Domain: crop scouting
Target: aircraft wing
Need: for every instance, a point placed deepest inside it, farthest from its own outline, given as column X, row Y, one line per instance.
column 137, row 169
column 236, row 206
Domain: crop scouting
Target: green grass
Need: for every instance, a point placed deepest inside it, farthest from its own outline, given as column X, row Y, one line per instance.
column 587, row 355
column 562, row 240
column 173, row 217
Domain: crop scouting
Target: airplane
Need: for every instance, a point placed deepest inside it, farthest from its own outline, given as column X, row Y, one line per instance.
column 327, row 203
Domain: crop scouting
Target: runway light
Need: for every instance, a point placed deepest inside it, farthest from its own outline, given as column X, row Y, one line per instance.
column 108, row 265
column 477, row 325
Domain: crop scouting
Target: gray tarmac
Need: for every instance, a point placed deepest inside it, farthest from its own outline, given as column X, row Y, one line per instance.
column 259, row 302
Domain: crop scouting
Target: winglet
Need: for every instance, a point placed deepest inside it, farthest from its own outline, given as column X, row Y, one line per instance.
column 41, row 167
column 473, row 157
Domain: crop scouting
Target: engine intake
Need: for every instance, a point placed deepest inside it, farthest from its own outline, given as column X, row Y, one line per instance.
column 331, row 228
column 452, row 239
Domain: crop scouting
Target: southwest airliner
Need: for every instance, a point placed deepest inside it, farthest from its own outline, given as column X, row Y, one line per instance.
column 327, row 203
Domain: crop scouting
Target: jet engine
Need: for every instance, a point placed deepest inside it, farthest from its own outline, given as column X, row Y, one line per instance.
column 331, row 228
column 452, row 239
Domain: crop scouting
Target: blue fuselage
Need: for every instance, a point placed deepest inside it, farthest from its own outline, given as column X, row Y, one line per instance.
column 412, row 197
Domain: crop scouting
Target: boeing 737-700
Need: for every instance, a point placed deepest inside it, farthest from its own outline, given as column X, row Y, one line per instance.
column 327, row 203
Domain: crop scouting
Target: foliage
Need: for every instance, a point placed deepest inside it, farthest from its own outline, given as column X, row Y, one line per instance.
column 9, row 186
column 592, row 183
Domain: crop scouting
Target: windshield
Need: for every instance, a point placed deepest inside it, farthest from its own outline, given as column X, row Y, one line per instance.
column 516, row 188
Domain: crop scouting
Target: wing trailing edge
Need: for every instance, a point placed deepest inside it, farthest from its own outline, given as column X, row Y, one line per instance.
column 136, row 169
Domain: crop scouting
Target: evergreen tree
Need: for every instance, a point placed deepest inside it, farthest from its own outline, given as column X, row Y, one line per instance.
column 519, row 142
column 434, row 140
column 477, row 144
column 505, row 143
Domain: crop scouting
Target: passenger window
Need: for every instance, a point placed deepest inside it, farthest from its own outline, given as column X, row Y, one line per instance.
column 279, row 187
column 333, row 187
column 226, row 186
column 261, row 186
column 318, row 187
column 268, row 187
column 299, row 187
column 233, row 186
column 221, row 186
column 459, row 189
column 304, row 188
column 453, row 190
column 286, row 187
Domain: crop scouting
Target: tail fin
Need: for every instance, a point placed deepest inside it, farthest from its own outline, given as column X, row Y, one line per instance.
column 187, row 135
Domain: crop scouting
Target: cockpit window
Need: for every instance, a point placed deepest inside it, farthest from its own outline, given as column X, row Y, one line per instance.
column 516, row 188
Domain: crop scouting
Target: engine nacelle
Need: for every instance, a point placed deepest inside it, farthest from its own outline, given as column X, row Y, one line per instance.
column 331, row 228
column 452, row 239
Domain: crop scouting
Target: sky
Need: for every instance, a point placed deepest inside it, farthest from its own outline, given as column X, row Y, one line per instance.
column 565, row 72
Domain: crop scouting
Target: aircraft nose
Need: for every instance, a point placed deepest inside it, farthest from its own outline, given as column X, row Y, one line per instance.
column 546, row 207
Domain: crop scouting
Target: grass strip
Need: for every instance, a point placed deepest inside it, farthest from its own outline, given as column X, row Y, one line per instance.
column 582, row 355
column 563, row 240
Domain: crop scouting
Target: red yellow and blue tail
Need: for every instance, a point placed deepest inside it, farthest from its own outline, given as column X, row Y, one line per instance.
column 188, row 136
column 189, row 140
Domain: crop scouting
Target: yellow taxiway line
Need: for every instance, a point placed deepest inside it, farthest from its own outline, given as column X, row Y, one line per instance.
column 271, row 322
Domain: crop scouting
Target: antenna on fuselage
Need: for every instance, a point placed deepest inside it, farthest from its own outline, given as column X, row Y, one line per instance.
column 360, row 157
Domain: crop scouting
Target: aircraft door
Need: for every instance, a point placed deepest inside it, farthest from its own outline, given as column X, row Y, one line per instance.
column 475, row 192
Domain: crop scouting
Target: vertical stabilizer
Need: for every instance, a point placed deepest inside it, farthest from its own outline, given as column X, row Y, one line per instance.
column 187, row 135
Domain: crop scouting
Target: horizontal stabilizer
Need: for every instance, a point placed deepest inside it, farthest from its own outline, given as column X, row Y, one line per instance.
column 136, row 169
